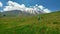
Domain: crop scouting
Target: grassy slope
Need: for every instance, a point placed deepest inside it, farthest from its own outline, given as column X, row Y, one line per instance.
column 48, row 24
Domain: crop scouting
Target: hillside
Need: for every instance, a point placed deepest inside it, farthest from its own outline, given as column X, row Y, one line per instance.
column 48, row 24
column 14, row 13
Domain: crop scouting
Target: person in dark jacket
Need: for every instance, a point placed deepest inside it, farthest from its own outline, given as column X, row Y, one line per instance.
column 38, row 18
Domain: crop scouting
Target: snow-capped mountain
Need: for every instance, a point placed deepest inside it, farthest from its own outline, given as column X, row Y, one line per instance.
column 37, row 9
column 31, row 10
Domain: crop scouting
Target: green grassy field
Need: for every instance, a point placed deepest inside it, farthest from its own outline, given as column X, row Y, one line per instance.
column 48, row 24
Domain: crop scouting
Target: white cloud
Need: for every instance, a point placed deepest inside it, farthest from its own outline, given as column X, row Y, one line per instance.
column 1, row 4
column 33, row 9
column 46, row 10
column 13, row 6
column 41, row 7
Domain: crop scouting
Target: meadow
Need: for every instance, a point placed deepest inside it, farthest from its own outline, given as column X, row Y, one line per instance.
column 48, row 24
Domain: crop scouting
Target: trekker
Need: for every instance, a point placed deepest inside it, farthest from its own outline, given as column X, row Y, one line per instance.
column 38, row 18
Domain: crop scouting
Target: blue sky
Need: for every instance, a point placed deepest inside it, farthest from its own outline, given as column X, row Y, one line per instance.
column 50, row 4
